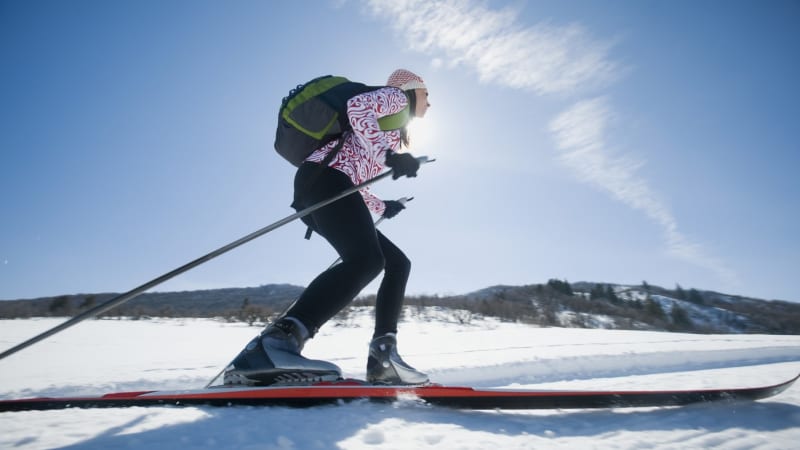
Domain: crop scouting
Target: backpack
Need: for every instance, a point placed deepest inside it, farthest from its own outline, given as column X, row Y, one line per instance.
column 315, row 113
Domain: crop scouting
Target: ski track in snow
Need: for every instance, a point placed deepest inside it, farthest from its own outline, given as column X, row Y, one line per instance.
column 118, row 355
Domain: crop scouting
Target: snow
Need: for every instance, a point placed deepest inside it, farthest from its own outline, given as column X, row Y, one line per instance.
column 99, row 356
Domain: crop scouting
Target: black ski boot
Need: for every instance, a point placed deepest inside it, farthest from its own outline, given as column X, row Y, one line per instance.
column 385, row 366
column 273, row 357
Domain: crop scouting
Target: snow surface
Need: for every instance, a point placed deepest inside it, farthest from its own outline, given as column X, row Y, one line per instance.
column 99, row 356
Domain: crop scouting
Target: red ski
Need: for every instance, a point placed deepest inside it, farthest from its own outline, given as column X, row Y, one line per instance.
column 449, row 396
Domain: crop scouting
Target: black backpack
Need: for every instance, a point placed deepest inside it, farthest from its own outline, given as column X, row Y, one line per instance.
column 315, row 113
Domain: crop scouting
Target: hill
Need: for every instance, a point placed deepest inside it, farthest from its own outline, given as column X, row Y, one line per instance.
column 247, row 304
column 555, row 303
column 643, row 307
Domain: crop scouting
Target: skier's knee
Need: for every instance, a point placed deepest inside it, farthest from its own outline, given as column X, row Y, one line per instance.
column 399, row 265
column 372, row 264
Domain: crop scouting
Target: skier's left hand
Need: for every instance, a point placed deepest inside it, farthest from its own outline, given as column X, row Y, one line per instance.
column 403, row 164
column 392, row 208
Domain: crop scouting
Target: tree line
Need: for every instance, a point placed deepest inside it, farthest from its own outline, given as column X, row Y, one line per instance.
column 555, row 303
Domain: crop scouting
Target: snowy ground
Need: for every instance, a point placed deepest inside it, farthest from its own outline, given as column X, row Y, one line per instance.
column 114, row 355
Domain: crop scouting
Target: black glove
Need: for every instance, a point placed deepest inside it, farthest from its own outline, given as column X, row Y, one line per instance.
column 402, row 164
column 392, row 208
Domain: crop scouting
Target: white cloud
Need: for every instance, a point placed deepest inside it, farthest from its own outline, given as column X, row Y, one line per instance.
column 579, row 134
column 542, row 58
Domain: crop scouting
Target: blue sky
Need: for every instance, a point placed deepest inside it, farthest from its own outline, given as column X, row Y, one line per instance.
column 583, row 140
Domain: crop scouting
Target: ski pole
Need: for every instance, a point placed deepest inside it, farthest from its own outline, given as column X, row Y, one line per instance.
column 403, row 201
column 122, row 298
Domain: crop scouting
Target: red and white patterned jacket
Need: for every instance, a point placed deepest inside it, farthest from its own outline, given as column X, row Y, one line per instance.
column 363, row 153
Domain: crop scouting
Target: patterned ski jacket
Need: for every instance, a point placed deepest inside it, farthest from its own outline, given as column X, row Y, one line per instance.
column 363, row 153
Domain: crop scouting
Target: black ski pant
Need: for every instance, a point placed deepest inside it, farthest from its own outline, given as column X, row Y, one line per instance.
column 347, row 225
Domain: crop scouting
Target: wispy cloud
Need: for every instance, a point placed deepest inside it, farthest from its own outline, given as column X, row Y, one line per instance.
column 580, row 137
column 543, row 59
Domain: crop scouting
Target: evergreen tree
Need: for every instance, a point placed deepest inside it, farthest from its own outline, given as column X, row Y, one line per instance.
column 88, row 302
column 696, row 297
column 680, row 294
column 680, row 318
column 611, row 295
column 60, row 306
column 653, row 309
column 560, row 286
column 597, row 292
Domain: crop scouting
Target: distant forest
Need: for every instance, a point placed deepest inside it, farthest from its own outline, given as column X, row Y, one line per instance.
column 555, row 303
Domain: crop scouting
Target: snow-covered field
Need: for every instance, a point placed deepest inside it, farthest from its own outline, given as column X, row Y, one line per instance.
column 114, row 355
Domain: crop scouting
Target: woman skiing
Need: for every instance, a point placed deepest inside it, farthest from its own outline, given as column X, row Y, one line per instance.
column 274, row 356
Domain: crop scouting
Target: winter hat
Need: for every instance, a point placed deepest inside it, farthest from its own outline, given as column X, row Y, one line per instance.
column 405, row 80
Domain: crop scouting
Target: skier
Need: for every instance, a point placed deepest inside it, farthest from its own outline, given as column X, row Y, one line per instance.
column 274, row 356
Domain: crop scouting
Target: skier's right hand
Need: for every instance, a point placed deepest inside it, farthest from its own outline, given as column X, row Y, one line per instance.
column 392, row 208
column 402, row 164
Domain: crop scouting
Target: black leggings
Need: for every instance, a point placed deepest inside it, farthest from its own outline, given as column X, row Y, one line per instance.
column 347, row 225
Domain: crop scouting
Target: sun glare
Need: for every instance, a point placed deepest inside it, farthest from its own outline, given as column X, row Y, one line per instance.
column 421, row 134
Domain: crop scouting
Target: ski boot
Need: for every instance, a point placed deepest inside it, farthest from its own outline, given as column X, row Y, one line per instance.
column 385, row 366
column 273, row 357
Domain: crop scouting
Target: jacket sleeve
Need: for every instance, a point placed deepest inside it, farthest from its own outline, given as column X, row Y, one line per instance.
column 374, row 204
column 365, row 109
column 363, row 112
